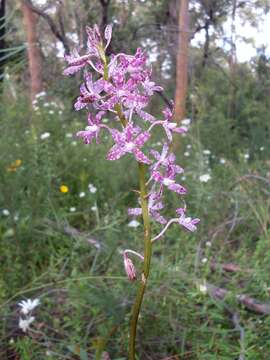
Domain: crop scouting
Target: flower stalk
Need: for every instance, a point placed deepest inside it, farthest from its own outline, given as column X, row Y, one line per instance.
column 120, row 86
column 146, row 264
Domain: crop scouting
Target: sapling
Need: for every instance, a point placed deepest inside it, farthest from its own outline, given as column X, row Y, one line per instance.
column 119, row 87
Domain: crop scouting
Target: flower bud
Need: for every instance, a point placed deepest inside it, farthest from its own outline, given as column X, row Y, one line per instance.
column 129, row 268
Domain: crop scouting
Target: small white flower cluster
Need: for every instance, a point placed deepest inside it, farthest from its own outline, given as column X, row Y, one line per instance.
column 45, row 135
column 92, row 188
column 5, row 212
column 133, row 224
column 27, row 306
column 185, row 123
column 205, row 178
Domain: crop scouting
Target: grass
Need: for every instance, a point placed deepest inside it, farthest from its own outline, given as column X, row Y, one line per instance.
column 64, row 248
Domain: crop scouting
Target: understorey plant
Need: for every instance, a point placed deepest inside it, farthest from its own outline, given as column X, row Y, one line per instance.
column 119, row 87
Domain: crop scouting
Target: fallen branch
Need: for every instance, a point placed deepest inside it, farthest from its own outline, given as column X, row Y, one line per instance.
column 245, row 300
column 230, row 267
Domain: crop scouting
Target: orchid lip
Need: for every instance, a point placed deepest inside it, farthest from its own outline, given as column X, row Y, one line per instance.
column 130, row 146
column 91, row 128
column 172, row 125
column 168, row 181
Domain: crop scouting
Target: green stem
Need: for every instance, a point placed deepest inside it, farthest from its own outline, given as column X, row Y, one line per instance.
column 146, row 265
column 147, row 238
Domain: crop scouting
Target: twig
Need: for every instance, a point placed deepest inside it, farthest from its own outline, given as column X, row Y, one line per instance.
column 229, row 267
column 238, row 327
column 245, row 300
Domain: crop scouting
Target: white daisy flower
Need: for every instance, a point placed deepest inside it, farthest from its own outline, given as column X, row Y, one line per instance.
column 24, row 324
column 92, row 188
column 222, row 161
column 186, row 122
column 203, row 288
column 204, row 178
column 206, row 152
column 28, row 305
column 45, row 135
column 133, row 224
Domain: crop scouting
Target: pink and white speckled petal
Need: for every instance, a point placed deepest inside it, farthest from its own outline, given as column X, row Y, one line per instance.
column 108, row 35
column 168, row 133
column 115, row 153
column 134, row 211
column 180, row 130
column 142, row 138
column 145, row 116
column 179, row 189
column 139, row 155
column 159, row 218
column 73, row 69
column 157, row 176
column 79, row 104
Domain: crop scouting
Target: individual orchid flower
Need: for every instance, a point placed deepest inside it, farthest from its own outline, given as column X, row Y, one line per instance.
column 128, row 142
column 92, row 130
column 187, row 222
column 150, row 87
column 94, row 41
column 90, row 92
column 169, row 182
column 168, row 125
column 76, row 62
column 167, row 161
column 154, row 205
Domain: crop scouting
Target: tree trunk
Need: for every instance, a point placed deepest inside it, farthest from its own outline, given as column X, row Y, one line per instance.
column 2, row 38
column 182, row 62
column 232, row 65
column 206, row 45
column 34, row 53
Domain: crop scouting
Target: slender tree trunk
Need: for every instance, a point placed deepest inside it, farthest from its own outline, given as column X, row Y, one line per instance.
column 182, row 62
column 206, row 45
column 232, row 65
column 34, row 53
column 2, row 38
column 104, row 13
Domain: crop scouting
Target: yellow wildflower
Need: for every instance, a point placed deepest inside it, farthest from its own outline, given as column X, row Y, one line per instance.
column 13, row 166
column 64, row 189
column 18, row 162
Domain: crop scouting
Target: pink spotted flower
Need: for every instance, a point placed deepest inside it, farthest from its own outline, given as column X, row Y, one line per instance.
column 89, row 92
column 92, row 130
column 169, row 182
column 129, row 142
column 186, row 222
column 154, row 206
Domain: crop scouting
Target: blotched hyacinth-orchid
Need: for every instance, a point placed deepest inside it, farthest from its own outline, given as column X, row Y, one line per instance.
column 119, row 87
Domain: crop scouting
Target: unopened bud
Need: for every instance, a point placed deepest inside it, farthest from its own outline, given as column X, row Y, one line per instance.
column 130, row 268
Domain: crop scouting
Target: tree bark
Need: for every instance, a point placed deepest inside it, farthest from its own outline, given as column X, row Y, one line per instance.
column 2, row 38
column 34, row 53
column 182, row 62
column 232, row 64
